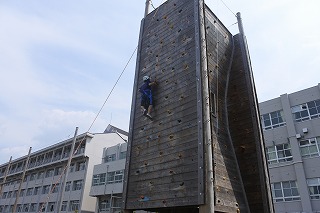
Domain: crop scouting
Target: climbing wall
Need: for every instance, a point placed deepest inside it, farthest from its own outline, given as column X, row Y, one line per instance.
column 164, row 165
column 229, row 192
column 245, row 130
column 200, row 67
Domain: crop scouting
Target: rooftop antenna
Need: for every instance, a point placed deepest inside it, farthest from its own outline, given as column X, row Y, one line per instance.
column 146, row 12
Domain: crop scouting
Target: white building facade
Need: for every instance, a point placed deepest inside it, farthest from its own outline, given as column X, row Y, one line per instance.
column 291, row 126
column 107, row 179
column 45, row 186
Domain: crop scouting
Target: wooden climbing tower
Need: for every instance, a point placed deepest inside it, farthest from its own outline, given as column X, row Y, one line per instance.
column 203, row 151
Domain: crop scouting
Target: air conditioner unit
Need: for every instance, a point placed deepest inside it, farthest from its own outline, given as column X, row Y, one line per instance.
column 298, row 136
column 305, row 130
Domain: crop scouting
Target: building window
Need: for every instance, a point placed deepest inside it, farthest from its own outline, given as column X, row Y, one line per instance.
column 74, row 205
column 33, row 207
column 42, row 208
column 4, row 195
column 45, row 189
column 123, row 155
column 118, row 176
column 55, row 188
column 310, row 147
column 314, row 188
column 49, row 173
column 306, row 111
column 71, row 168
column 104, row 205
column 117, row 203
column 22, row 192
column 110, row 158
column 6, row 208
column 26, row 178
column 64, row 206
column 285, row 191
column 51, row 207
column 80, row 166
column 272, row 120
column 115, row 177
column 9, row 194
column 15, row 193
column 25, row 208
column 68, row 186
column 36, row 190
column 29, row 191
column 19, row 208
column 57, row 171
column 40, row 175
column 279, row 153
column 77, row 185
column 33, row 176
column 99, row 179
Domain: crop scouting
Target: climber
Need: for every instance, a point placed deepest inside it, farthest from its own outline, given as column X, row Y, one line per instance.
column 146, row 96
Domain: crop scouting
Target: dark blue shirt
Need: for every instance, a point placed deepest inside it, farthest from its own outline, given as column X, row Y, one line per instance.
column 145, row 86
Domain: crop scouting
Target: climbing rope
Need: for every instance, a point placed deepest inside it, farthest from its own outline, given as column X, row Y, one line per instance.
column 228, row 8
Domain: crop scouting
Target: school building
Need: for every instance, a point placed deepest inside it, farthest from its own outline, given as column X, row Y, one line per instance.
column 291, row 127
column 44, row 188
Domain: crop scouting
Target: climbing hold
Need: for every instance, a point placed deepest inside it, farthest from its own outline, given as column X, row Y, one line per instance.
column 144, row 198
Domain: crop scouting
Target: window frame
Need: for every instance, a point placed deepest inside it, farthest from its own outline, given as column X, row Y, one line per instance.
column 283, row 190
column 308, row 147
column 306, row 108
column 269, row 117
column 286, row 147
column 314, row 196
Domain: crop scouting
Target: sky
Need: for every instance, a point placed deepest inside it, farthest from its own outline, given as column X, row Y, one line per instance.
column 60, row 59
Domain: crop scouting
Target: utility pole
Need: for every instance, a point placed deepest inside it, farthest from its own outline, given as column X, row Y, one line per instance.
column 5, row 176
column 66, row 170
column 22, row 178
column 146, row 12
